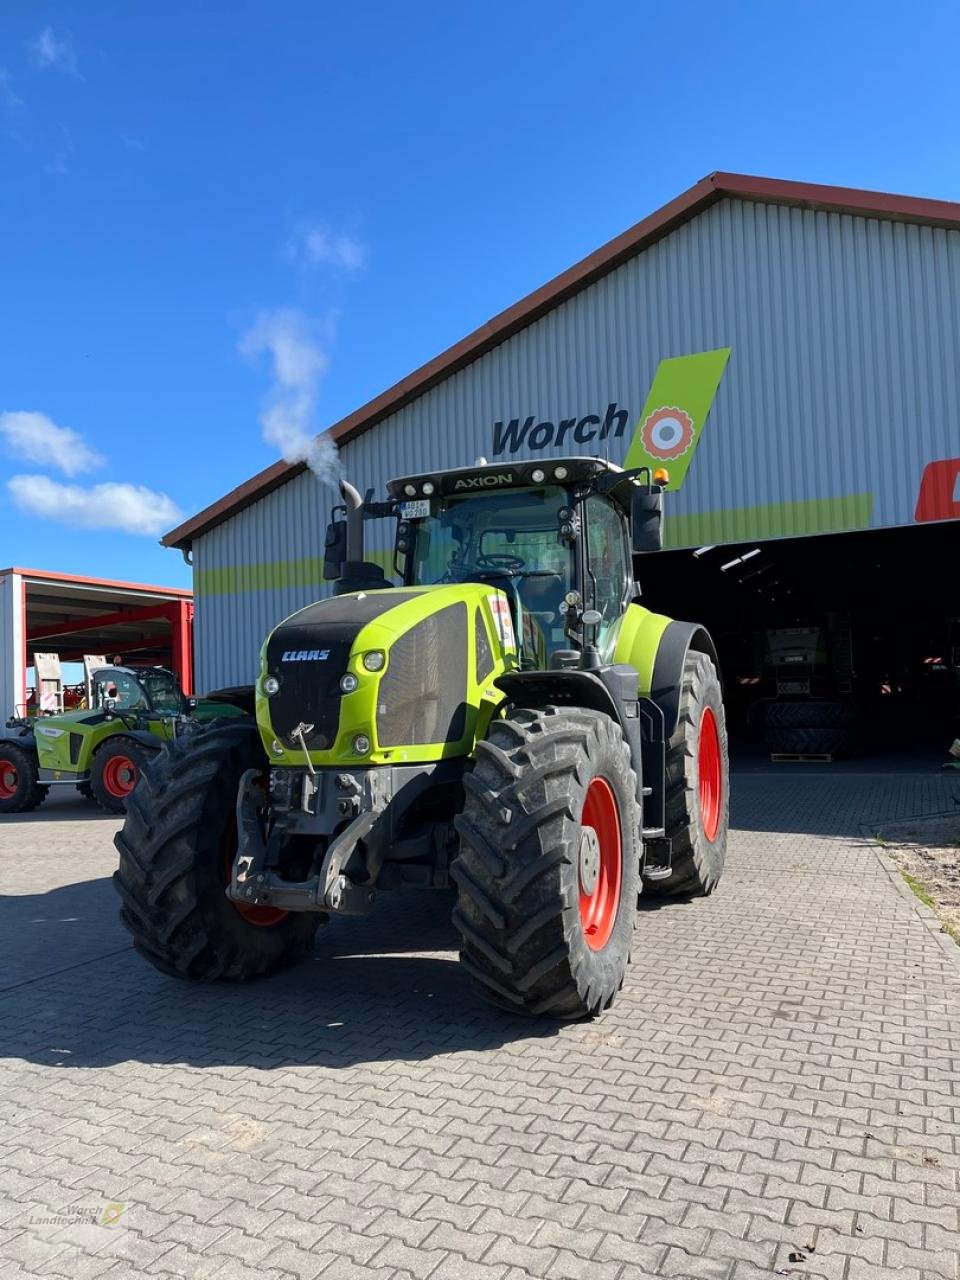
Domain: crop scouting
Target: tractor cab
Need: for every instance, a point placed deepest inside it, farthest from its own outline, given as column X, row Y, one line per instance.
column 557, row 540
column 146, row 691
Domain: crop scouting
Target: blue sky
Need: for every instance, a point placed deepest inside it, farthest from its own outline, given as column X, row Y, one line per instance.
column 224, row 226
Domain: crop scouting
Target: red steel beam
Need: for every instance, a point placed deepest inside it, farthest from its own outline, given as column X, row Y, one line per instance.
column 148, row 613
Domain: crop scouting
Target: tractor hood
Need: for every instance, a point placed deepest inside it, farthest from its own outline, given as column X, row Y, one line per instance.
column 383, row 676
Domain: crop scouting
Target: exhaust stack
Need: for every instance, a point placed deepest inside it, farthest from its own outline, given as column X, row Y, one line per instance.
column 354, row 504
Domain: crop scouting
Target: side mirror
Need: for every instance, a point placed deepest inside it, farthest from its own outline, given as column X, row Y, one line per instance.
column 646, row 520
column 334, row 550
column 109, row 707
column 192, row 703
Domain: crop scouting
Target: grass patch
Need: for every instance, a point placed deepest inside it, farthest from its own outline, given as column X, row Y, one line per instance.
column 918, row 888
column 921, row 891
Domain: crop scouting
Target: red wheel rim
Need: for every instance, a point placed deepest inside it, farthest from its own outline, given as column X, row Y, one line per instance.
column 600, row 869
column 9, row 779
column 120, row 776
column 710, row 774
column 262, row 917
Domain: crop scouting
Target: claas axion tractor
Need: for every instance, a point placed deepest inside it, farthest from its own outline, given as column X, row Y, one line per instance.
column 510, row 720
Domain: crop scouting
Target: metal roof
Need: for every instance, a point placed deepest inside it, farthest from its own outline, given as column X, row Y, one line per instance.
column 714, row 187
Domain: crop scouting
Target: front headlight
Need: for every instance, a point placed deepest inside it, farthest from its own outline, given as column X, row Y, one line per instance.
column 374, row 660
column 271, row 685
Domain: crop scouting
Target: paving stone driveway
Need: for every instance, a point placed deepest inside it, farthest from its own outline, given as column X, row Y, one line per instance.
column 780, row 1077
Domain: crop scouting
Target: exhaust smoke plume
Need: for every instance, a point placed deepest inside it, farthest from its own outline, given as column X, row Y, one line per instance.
column 298, row 363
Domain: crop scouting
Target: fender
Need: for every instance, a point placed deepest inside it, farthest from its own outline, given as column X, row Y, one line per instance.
column 242, row 696
column 665, row 686
column 141, row 736
column 611, row 690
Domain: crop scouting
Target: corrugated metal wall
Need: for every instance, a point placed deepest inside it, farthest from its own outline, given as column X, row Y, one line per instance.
column 844, row 380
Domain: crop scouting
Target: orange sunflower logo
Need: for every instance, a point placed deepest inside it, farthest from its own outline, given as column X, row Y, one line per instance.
column 667, row 433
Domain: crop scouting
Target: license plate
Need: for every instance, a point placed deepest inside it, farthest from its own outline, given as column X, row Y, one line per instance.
column 415, row 510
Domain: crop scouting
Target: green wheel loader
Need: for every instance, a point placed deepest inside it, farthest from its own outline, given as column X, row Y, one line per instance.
column 101, row 750
column 510, row 720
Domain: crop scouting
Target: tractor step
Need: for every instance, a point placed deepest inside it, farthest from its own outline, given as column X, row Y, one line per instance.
column 799, row 757
column 657, row 854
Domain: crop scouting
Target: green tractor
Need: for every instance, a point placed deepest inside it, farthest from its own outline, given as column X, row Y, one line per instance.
column 102, row 749
column 510, row 719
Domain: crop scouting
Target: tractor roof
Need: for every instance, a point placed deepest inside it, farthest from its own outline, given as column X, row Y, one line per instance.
column 136, row 672
column 484, row 476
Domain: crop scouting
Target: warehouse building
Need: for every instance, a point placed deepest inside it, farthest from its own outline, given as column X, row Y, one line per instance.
column 67, row 617
column 815, row 482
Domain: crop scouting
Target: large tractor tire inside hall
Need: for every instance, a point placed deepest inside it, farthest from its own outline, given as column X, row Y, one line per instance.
column 19, row 788
column 698, row 784
column 177, row 848
column 549, row 867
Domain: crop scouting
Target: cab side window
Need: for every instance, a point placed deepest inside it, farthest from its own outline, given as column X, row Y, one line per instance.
column 609, row 561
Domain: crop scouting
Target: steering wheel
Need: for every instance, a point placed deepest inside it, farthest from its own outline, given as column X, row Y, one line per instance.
column 503, row 562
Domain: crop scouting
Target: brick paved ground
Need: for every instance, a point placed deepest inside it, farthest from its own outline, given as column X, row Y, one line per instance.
column 780, row 1075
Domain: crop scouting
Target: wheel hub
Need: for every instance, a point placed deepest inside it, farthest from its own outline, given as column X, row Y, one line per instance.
column 589, row 861
column 8, row 779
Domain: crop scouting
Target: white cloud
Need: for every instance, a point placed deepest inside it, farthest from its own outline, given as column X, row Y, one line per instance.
column 50, row 50
column 131, row 143
column 298, row 362
column 8, row 95
column 33, row 437
column 131, row 508
column 318, row 246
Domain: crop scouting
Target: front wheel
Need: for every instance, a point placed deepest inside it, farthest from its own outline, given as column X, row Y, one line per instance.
column 20, row 789
column 549, row 867
column 177, row 848
column 697, row 781
column 115, row 771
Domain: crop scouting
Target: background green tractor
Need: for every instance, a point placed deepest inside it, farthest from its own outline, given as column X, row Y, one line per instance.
column 101, row 749
column 509, row 719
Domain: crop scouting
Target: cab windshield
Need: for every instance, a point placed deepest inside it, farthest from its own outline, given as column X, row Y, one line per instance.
column 145, row 691
column 509, row 539
column 162, row 690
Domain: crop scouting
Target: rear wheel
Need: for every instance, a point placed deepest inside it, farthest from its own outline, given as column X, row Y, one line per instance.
column 19, row 788
column 549, row 866
column 177, row 848
column 115, row 771
column 697, row 798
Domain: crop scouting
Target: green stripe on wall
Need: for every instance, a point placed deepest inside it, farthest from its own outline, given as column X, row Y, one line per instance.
column 775, row 520
column 273, row 575
column 738, row 524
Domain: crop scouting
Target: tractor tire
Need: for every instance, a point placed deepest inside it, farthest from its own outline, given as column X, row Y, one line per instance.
column 177, row 847
column 548, row 872
column 86, row 791
column 698, row 785
column 812, row 713
column 19, row 788
column 115, row 772
column 808, row 741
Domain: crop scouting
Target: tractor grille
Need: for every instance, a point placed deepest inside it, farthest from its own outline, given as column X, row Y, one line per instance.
column 309, row 654
column 423, row 694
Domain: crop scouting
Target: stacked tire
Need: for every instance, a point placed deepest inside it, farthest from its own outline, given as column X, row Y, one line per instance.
column 811, row 726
